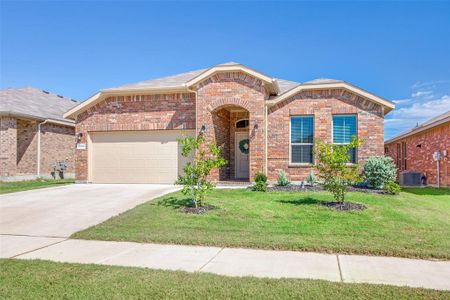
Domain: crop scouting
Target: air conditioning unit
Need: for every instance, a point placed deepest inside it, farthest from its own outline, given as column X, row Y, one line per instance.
column 408, row 178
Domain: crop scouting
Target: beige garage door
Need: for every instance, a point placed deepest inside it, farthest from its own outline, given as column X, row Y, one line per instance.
column 136, row 156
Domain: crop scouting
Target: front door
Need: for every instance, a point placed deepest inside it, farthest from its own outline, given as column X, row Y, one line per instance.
column 242, row 150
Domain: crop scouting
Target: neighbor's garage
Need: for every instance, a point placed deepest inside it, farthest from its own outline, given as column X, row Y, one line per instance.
column 136, row 156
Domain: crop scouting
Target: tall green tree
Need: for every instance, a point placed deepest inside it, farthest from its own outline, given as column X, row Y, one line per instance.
column 332, row 162
column 204, row 158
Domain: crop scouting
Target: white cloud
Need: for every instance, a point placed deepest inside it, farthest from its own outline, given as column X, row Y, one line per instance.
column 422, row 93
column 421, row 84
column 405, row 118
column 424, row 110
column 401, row 101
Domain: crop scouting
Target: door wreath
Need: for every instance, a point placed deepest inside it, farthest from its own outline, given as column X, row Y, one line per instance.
column 244, row 146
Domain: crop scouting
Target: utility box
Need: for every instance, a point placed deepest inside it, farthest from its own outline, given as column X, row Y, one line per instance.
column 409, row 178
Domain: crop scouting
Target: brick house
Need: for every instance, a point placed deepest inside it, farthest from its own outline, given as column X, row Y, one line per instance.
column 128, row 133
column 413, row 150
column 34, row 134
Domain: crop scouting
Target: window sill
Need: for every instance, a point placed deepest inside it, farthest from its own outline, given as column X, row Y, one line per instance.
column 300, row 165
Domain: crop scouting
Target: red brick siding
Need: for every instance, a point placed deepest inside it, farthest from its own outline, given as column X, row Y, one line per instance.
column 420, row 159
column 19, row 147
column 234, row 90
column 322, row 104
column 26, row 147
column 8, row 146
column 57, row 143
column 145, row 112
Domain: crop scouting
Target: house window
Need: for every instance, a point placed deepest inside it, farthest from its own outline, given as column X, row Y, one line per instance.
column 386, row 151
column 344, row 128
column 302, row 139
column 399, row 160
column 242, row 124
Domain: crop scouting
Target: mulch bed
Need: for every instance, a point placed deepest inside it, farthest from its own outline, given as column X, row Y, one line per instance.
column 319, row 188
column 346, row 206
column 198, row 210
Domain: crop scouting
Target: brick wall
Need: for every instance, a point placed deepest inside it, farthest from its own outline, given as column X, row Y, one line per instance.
column 419, row 153
column 322, row 104
column 18, row 152
column 57, row 143
column 8, row 149
column 26, row 147
column 234, row 90
column 144, row 112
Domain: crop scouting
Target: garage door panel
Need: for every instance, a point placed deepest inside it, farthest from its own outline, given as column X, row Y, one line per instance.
column 137, row 156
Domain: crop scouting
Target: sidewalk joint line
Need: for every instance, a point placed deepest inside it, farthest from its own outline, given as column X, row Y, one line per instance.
column 218, row 252
column 339, row 267
column 26, row 252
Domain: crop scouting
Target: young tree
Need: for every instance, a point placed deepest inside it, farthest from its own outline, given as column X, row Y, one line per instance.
column 335, row 171
column 205, row 158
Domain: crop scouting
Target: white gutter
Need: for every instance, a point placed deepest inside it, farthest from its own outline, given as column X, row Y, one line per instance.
column 39, row 148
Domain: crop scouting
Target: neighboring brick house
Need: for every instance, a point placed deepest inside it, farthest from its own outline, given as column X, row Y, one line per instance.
column 128, row 134
column 34, row 134
column 413, row 150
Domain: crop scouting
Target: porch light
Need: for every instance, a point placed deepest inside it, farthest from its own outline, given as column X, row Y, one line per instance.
column 203, row 129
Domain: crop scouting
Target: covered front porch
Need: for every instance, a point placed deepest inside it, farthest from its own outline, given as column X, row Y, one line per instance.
column 230, row 129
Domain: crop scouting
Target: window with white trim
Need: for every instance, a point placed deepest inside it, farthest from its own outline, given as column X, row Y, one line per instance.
column 344, row 129
column 302, row 139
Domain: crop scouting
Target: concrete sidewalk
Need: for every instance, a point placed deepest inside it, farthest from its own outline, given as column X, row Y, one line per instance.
column 234, row 262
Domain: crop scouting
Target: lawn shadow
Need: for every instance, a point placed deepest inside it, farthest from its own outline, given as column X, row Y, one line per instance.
column 428, row 191
column 175, row 202
column 303, row 201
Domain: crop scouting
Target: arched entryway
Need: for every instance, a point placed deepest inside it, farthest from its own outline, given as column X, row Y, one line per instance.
column 231, row 130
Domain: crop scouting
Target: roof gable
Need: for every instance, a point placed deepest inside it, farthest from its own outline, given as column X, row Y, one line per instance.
column 278, row 89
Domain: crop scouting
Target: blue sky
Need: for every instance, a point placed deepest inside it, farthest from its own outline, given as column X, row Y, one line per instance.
column 398, row 50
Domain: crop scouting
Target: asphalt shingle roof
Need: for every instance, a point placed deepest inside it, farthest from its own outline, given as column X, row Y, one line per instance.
column 35, row 103
column 180, row 79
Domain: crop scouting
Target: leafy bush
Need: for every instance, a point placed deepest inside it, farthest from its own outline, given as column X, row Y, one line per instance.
column 379, row 170
column 205, row 157
column 260, row 182
column 282, row 178
column 333, row 167
column 311, row 179
column 392, row 188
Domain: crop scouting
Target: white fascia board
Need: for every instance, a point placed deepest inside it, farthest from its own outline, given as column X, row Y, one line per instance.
column 388, row 105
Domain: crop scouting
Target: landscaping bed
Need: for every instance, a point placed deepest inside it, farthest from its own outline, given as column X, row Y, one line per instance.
column 319, row 188
column 412, row 224
column 25, row 279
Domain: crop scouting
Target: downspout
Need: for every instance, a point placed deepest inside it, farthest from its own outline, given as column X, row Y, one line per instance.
column 39, row 149
column 265, row 136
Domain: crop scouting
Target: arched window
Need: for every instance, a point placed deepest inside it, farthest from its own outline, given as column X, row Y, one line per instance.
column 242, row 124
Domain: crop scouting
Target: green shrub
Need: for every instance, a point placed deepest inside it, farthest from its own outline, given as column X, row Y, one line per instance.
column 379, row 170
column 333, row 167
column 311, row 179
column 260, row 182
column 282, row 178
column 392, row 188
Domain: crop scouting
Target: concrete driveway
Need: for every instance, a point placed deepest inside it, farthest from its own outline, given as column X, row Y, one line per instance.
column 61, row 211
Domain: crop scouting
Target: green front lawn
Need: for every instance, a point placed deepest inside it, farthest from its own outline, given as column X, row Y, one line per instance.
column 43, row 280
column 415, row 223
column 17, row 186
